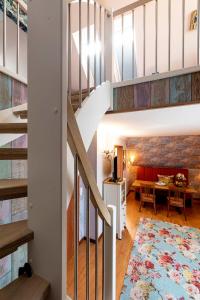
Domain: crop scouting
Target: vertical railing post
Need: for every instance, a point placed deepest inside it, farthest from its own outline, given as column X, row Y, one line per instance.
column 144, row 40
column 108, row 46
column 169, row 35
column 88, row 46
column 133, row 45
column 88, row 245
column 198, row 30
column 4, row 32
column 76, row 227
column 18, row 28
column 69, row 54
column 110, row 257
column 96, row 253
column 100, row 38
column 122, row 75
column 95, row 44
column 80, row 53
column 183, row 33
column 156, row 36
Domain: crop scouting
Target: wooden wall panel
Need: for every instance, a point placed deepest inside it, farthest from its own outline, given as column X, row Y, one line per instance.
column 19, row 93
column 124, row 98
column 180, row 89
column 142, row 95
column 196, row 86
column 5, row 91
column 160, row 93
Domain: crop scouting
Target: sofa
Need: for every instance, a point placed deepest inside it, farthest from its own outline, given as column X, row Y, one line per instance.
column 151, row 173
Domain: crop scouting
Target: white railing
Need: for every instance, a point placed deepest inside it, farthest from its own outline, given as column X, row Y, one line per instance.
column 87, row 49
column 10, row 39
column 156, row 36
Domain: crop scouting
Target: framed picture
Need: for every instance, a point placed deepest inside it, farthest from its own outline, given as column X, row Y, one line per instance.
column 194, row 20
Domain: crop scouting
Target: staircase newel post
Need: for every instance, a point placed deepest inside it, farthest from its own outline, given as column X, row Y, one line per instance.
column 47, row 141
column 110, row 257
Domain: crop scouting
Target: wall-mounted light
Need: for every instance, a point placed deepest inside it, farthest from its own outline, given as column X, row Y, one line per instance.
column 131, row 160
column 108, row 154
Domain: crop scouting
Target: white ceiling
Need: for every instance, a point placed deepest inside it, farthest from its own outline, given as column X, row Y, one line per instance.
column 182, row 120
column 116, row 4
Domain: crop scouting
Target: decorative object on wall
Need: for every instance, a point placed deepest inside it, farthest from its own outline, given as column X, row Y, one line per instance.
column 108, row 154
column 12, row 13
column 194, row 20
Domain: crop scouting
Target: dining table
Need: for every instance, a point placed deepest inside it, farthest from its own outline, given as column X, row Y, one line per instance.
column 137, row 183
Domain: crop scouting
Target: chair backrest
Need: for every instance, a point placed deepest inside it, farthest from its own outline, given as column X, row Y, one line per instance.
column 147, row 189
column 177, row 193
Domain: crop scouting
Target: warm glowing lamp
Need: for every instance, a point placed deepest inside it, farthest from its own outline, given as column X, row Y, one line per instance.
column 132, row 159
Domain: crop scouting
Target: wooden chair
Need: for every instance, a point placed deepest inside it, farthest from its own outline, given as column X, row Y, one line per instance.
column 147, row 195
column 177, row 198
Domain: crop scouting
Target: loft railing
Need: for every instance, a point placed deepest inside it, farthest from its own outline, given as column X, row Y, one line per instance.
column 86, row 36
column 18, row 13
column 107, row 215
column 134, row 40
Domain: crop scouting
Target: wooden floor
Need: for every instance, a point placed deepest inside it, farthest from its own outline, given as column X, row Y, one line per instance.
column 124, row 246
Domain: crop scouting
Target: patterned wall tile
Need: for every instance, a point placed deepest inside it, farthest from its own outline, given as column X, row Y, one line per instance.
column 159, row 92
column 180, row 89
column 174, row 151
column 18, row 259
column 19, row 93
column 124, row 98
column 5, row 91
column 19, row 170
column 196, row 86
column 5, row 271
column 142, row 95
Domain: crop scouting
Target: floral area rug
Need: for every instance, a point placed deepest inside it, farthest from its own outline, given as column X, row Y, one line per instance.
column 164, row 263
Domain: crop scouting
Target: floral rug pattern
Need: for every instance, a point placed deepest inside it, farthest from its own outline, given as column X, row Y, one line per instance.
column 164, row 263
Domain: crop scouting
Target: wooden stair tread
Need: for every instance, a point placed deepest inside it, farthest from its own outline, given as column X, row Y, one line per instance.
column 13, row 153
column 13, row 188
column 23, row 288
column 23, row 114
column 14, row 235
column 13, row 128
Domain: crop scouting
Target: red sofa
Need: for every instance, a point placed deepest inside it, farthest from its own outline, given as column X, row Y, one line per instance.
column 151, row 173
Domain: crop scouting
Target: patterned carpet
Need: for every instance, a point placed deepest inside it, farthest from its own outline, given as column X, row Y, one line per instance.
column 164, row 263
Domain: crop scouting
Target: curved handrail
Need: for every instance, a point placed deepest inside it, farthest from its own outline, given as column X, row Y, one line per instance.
column 77, row 147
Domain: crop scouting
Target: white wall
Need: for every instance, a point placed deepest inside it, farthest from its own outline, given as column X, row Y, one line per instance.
column 12, row 47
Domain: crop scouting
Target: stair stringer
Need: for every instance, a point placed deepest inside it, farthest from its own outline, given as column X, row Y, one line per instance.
column 88, row 118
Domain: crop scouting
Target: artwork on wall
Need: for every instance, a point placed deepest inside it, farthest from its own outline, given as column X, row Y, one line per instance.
column 194, row 20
